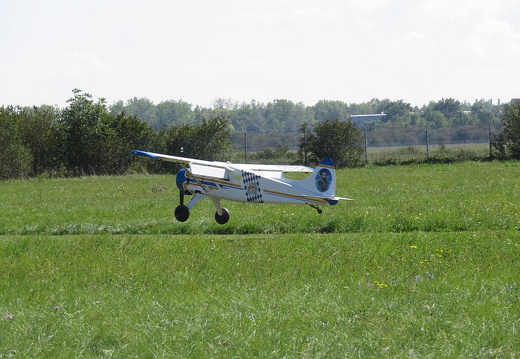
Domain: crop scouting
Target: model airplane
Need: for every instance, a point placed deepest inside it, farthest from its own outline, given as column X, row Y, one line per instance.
column 249, row 183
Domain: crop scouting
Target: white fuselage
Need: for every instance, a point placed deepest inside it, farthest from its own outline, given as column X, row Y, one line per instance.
column 248, row 186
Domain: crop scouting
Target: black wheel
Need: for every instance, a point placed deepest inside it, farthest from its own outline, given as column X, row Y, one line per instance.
column 182, row 213
column 224, row 218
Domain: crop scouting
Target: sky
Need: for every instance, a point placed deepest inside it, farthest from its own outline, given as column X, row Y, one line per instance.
column 300, row 50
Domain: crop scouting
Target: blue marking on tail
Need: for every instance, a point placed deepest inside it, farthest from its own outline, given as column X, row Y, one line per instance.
column 326, row 162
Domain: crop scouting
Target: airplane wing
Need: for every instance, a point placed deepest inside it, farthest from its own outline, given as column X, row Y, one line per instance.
column 226, row 165
column 213, row 169
column 160, row 156
column 182, row 160
column 273, row 171
column 200, row 167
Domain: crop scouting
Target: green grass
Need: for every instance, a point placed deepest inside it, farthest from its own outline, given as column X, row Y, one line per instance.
column 463, row 197
column 424, row 263
column 434, row 154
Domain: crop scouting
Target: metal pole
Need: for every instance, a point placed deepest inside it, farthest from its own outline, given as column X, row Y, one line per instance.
column 245, row 147
column 305, row 146
column 366, row 147
column 489, row 138
column 303, row 128
column 427, row 144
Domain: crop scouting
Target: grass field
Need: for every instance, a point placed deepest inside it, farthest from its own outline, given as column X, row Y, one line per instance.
column 434, row 154
column 425, row 262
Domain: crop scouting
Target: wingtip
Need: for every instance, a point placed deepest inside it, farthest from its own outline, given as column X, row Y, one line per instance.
column 143, row 153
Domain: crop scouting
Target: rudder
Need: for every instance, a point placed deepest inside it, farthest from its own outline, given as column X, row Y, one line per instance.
column 323, row 179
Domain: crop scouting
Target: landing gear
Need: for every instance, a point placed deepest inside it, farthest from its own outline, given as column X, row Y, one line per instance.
column 222, row 218
column 317, row 208
column 182, row 213
column 222, row 214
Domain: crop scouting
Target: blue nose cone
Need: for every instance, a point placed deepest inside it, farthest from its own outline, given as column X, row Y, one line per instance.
column 181, row 179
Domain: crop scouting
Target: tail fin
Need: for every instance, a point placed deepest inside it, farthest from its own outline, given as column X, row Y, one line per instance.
column 323, row 179
column 323, row 182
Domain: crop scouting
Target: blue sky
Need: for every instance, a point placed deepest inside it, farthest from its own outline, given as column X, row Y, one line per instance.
column 300, row 50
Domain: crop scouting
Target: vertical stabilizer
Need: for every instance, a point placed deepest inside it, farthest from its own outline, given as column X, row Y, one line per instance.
column 323, row 179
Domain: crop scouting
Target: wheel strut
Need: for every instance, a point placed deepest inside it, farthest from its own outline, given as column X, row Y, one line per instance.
column 317, row 208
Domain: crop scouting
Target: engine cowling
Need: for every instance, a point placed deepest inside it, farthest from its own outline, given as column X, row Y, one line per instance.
column 182, row 181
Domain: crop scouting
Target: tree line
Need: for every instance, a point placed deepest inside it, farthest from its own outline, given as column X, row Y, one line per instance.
column 84, row 138
column 281, row 116
column 91, row 137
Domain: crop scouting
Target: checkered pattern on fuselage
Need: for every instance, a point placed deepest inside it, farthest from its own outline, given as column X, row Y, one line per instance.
column 252, row 187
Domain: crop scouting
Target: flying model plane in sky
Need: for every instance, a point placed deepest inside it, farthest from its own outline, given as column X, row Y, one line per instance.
column 249, row 183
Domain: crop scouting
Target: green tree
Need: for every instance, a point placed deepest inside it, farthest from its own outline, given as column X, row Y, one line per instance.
column 15, row 158
column 87, row 136
column 134, row 133
column 400, row 113
column 208, row 141
column 130, row 133
column 325, row 110
column 379, row 106
column 452, row 110
column 507, row 142
column 38, row 131
column 117, row 108
column 141, row 107
column 359, row 109
column 171, row 112
column 435, row 118
column 284, row 116
column 482, row 112
column 249, row 117
column 339, row 140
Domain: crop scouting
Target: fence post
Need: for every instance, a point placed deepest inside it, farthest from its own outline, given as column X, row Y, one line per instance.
column 489, row 138
column 366, row 146
column 305, row 145
column 245, row 147
column 427, row 144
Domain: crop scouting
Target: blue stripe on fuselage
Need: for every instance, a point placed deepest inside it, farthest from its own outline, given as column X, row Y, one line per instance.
column 213, row 184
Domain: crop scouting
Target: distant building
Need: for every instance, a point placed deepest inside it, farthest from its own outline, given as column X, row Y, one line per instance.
column 515, row 100
column 361, row 120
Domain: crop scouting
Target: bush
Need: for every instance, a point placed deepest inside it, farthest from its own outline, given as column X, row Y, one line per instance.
column 507, row 143
column 15, row 158
column 337, row 140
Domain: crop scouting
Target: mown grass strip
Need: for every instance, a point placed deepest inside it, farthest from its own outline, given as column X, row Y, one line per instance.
column 430, row 198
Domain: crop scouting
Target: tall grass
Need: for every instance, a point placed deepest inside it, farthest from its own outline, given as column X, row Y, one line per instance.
column 343, row 295
column 424, row 263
